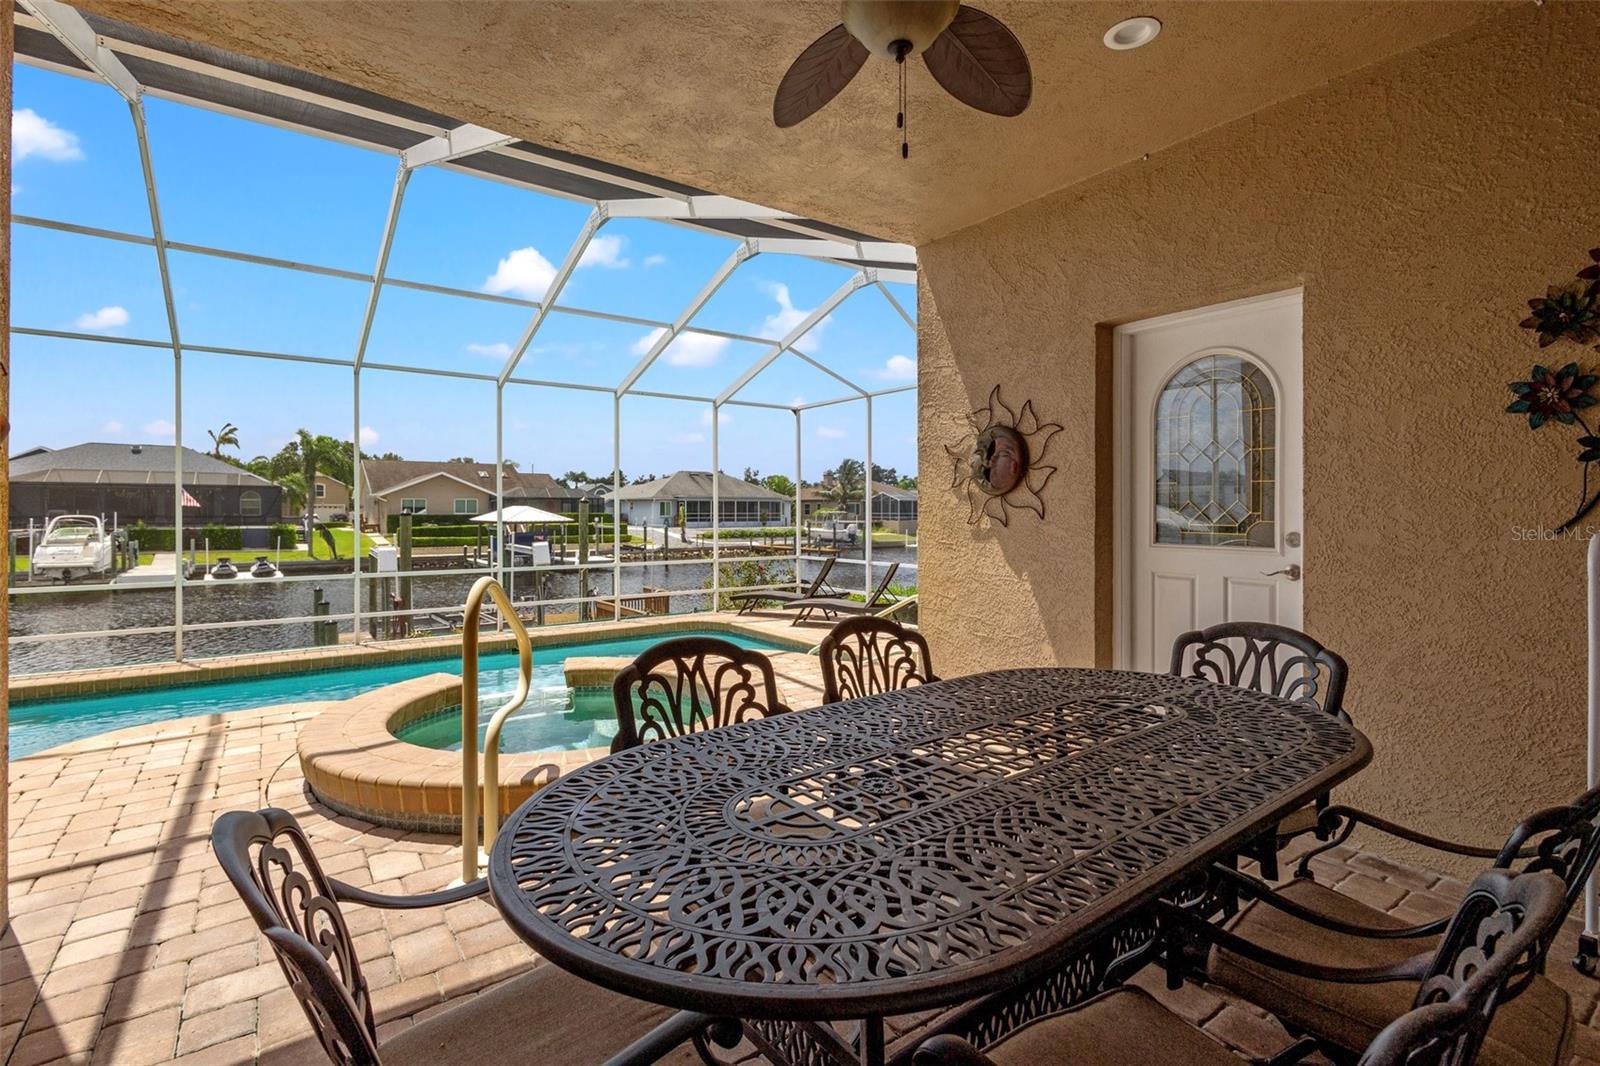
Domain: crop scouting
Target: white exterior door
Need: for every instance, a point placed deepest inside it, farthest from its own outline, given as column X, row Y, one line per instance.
column 1209, row 504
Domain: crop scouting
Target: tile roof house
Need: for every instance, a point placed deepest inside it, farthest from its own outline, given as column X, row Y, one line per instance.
column 133, row 482
column 392, row 487
column 742, row 503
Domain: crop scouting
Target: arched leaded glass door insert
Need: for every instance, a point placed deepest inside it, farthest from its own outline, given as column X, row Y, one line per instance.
column 1215, row 454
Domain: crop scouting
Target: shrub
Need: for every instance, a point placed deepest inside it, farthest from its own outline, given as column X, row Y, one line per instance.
column 151, row 538
column 283, row 534
column 219, row 537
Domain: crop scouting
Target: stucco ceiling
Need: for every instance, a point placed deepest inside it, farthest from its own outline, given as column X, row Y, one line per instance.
column 684, row 90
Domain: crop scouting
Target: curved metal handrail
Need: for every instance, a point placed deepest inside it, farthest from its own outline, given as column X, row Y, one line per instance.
column 485, row 587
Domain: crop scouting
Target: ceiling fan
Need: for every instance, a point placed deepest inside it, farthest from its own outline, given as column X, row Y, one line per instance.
column 973, row 57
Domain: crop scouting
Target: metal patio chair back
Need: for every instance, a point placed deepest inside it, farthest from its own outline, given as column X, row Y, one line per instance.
column 689, row 684
column 270, row 862
column 1502, row 920
column 865, row 656
column 1267, row 658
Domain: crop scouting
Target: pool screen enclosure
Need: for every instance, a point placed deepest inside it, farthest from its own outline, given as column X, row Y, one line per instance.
column 137, row 63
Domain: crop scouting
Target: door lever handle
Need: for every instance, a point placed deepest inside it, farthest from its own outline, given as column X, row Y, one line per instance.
column 1292, row 572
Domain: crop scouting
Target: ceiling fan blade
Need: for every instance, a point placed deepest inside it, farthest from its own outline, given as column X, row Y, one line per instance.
column 981, row 63
column 825, row 67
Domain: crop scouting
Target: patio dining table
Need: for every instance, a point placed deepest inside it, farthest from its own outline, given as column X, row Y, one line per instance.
column 902, row 852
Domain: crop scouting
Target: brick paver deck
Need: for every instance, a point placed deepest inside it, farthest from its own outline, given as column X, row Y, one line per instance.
column 128, row 946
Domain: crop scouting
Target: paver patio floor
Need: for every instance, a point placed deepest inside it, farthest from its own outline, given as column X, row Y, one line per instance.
column 128, row 946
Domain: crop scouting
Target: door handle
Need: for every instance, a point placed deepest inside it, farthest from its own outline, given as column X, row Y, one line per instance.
column 1292, row 572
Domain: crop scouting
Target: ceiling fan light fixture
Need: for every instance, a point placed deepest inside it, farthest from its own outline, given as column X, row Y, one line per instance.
column 1132, row 33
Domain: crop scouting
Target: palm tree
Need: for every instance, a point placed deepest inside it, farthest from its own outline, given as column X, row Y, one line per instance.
column 294, row 490
column 316, row 453
column 226, row 437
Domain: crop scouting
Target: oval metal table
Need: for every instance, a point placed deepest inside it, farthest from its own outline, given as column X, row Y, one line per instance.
column 901, row 852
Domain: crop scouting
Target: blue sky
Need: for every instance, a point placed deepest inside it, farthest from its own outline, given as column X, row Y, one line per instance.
column 231, row 183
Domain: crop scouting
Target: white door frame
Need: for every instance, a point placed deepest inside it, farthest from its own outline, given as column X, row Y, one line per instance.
column 1122, row 424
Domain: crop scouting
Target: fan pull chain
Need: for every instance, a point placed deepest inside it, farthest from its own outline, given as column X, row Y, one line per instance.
column 901, row 49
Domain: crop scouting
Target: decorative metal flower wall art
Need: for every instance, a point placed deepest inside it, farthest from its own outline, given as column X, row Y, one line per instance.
column 998, row 464
column 1570, row 313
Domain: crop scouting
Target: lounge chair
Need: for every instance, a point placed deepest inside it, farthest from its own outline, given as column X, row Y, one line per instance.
column 749, row 600
column 832, row 605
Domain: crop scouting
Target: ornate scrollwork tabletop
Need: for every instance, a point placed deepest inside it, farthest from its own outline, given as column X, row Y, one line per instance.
column 905, row 850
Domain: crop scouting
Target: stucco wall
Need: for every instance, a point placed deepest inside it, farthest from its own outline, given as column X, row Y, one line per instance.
column 1419, row 202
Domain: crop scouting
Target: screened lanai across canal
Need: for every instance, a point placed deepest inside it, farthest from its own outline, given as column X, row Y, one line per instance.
column 274, row 270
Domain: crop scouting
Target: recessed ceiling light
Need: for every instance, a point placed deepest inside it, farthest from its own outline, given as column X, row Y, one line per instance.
column 1132, row 33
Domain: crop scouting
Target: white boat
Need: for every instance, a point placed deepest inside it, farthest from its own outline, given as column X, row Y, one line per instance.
column 834, row 533
column 72, row 545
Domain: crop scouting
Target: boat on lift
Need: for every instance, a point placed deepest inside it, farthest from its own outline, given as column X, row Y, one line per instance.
column 224, row 570
column 263, row 568
column 72, row 545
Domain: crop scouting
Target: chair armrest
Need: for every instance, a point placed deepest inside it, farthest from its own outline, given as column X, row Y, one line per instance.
column 1249, row 887
column 666, row 1037
column 351, row 894
column 1176, row 919
column 949, row 1051
column 1336, row 823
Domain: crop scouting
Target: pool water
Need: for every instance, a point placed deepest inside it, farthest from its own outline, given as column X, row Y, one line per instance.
column 40, row 724
column 555, row 718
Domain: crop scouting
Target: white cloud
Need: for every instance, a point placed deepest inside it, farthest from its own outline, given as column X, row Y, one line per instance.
column 899, row 368
column 798, row 401
column 497, row 350
column 34, row 135
column 106, row 318
column 112, row 427
column 605, row 252
column 723, row 417
column 655, row 259
column 369, row 436
column 788, row 316
column 159, row 430
column 524, row 272
column 687, row 348
column 831, row 433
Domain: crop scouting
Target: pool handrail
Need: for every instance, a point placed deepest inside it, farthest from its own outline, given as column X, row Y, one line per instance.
column 492, row 589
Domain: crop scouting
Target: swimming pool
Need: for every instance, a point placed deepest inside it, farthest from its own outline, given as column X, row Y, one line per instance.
column 555, row 718
column 40, row 724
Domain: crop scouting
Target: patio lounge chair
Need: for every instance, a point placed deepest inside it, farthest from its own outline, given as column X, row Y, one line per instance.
column 546, row 1015
column 1307, row 917
column 832, row 605
column 1502, row 917
column 750, row 600
column 1278, row 661
column 863, row 656
column 692, row 683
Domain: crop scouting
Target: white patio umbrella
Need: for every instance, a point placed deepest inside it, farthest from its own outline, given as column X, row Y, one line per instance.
column 521, row 514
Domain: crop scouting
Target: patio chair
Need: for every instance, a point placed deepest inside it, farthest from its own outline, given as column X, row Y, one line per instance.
column 1501, row 918
column 832, row 605
column 546, row 1015
column 1308, row 917
column 748, row 601
column 1278, row 661
column 689, row 684
column 863, row 656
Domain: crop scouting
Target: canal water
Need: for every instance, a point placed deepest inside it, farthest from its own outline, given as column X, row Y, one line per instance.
column 135, row 608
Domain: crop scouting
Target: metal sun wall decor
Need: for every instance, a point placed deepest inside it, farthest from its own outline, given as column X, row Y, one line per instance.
column 1569, row 312
column 997, row 466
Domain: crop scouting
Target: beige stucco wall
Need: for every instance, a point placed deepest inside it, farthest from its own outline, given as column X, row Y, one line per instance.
column 1419, row 203
column 439, row 491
